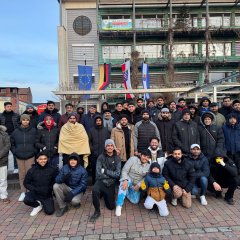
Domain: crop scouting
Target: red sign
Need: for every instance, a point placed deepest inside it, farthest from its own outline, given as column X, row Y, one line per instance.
column 41, row 108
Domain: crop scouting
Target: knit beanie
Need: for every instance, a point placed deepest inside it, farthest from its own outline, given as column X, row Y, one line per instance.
column 145, row 111
column 186, row 110
column 72, row 114
column 109, row 141
column 25, row 116
column 30, row 106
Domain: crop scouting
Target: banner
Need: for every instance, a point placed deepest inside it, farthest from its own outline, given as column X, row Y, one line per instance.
column 127, row 78
column 104, row 79
column 85, row 78
column 145, row 79
column 117, row 24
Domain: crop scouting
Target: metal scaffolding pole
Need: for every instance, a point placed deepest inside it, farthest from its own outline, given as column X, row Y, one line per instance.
column 206, row 80
column 134, row 28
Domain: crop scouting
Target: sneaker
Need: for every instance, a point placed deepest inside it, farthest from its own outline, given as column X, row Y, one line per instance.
column 203, row 200
column 22, row 196
column 94, row 217
column 229, row 201
column 76, row 205
column 61, row 211
column 118, row 211
column 174, row 202
column 36, row 210
column 15, row 171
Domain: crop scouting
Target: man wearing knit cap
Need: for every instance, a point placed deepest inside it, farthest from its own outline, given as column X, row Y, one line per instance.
column 143, row 131
column 32, row 112
column 236, row 108
column 108, row 171
column 185, row 132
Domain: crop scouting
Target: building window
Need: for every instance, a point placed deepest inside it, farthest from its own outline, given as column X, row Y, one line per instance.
column 83, row 52
column 217, row 20
column 237, row 48
column 237, row 20
column 185, row 50
column 217, row 49
column 82, row 25
column 116, row 52
column 150, row 51
column 149, row 21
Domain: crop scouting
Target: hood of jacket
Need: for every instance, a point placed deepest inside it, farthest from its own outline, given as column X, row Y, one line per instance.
column 213, row 121
column 74, row 156
column 168, row 118
column 95, row 119
column 3, row 128
column 41, row 125
column 34, row 113
column 203, row 99
column 118, row 126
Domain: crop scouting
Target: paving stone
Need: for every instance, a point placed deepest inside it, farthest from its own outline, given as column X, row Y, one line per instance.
column 235, row 228
column 133, row 234
column 62, row 238
column 106, row 236
column 76, row 238
column 91, row 237
column 178, row 231
column 148, row 234
column 225, row 229
column 210, row 230
column 120, row 235
column 194, row 230
column 163, row 233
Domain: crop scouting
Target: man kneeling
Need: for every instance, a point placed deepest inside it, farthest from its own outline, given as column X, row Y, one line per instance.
column 70, row 185
column 39, row 181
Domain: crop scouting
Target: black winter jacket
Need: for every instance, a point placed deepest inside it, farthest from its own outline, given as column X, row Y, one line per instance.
column 56, row 116
column 40, row 180
column 47, row 139
column 185, row 134
column 33, row 118
column 15, row 121
column 181, row 174
column 23, row 142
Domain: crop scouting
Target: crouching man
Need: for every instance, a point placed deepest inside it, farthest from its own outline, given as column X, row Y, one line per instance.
column 70, row 185
column 39, row 181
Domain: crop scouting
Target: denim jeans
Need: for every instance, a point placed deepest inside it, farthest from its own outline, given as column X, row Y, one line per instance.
column 201, row 183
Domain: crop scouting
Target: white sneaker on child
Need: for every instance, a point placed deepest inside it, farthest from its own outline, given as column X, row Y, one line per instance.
column 203, row 200
column 15, row 171
column 118, row 211
column 36, row 210
column 174, row 202
column 22, row 196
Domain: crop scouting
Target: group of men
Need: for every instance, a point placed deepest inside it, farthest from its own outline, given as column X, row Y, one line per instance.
column 154, row 150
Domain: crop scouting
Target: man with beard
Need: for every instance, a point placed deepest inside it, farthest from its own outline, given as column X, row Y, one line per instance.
column 236, row 109
column 31, row 111
column 140, row 106
column 108, row 120
column 97, row 137
column 50, row 110
column 226, row 106
column 80, row 112
column 165, row 127
column 143, row 131
column 181, row 104
column 159, row 106
column 133, row 118
column 64, row 118
column 122, row 135
column 118, row 111
column 180, row 174
column 175, row 113
column 220, row 119
column 151, row 108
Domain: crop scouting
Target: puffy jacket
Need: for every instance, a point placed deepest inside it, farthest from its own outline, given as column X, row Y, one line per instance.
column 185, row 133
column 143, row 131
column 181, row 174
column 40, row 180
column 236, row 113
column 23, row 142
column 133, row 118
column 118, row 137
column 225, row 111
column 4, row 146
column 48, row 139
column 232, row 137
column 15, row 121
column 201, row 165
column 165, row 128
column 211, row 137
column 56, row 116
column 33, row 118
column 111, row 166
column 97, row 136
column 79, row 177
column 88, row 120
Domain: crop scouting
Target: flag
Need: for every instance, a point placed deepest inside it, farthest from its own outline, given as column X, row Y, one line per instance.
column 85, row 78
column 145, row 79
column 126, row 78
column 104, row 80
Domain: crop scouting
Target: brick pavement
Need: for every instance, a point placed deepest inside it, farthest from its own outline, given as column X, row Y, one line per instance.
column 216, row 221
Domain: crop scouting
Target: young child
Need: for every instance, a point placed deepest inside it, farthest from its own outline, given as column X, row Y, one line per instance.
column 156, row 187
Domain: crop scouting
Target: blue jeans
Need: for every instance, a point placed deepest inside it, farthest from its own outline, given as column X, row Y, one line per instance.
column 201, row 183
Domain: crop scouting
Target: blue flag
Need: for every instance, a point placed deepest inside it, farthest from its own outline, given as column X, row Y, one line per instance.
column 85, row 78
column 145, row 79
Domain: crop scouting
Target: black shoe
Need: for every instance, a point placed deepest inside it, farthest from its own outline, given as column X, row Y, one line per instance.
column 77, row 205
column 229, row 201
column 95, row 216
column 61, row 211
column 218, row 195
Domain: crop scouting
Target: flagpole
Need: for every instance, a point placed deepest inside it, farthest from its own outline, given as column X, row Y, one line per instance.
column 85, row 63
column 125, row 95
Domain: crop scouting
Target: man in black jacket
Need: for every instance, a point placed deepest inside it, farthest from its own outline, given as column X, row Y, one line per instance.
column 39, row 181
column 226, row 108
column 108, row 170
column 159, row 106
column 223, row 174
column 165, row 127
column 97, row 137
column 31, row 111
column 185, row 132
column 47, row 139
column 180, row 174
column 133, row 117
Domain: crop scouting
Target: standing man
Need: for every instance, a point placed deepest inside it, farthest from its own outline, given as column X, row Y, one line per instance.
column 219, row 118
column 175, row 113
column 108, row 120
column 50, row 110
column 118, row 111
column 181, row 104
column 180, row 174
column 143, row 131
column 140, row 106
column 70, row 185
column 122, row 135
column 97, row 137
column 108, row 171
column 226, row 106
column 159, row 106
column 185, row 132
column 204, row 106
column 236, row 108
column 133, row 118
column 88, row 119
column 80, row 112
column 152, row 109
column 31, row 111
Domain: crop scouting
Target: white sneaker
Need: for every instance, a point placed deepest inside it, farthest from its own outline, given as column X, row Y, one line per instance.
column 174, row 202
column 36, row 210
column 203, row 200
column 118, row 211
column 15, row 171
column 22, row 196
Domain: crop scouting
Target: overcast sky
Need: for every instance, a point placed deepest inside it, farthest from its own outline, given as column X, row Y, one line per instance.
column 28, row 46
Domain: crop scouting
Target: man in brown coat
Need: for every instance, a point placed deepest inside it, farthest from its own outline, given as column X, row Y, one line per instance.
column 122, row 135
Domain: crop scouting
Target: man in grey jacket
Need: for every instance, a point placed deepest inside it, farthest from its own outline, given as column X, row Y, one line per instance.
column 133, row 173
